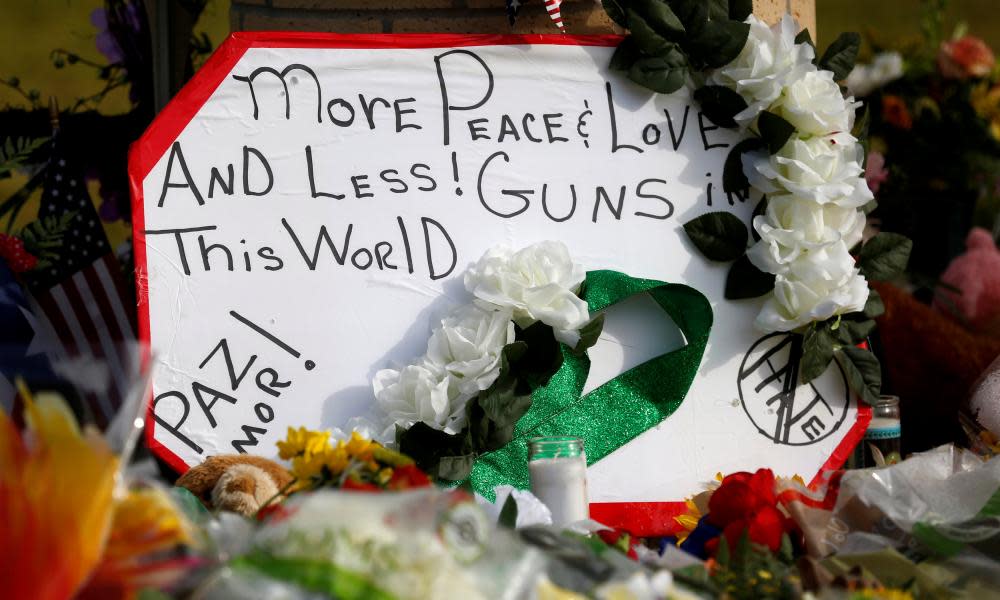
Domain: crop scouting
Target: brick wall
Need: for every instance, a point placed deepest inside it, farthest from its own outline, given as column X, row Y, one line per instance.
column 449, row 16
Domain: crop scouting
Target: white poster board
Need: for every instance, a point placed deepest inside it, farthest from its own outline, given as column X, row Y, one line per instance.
column 307, row 206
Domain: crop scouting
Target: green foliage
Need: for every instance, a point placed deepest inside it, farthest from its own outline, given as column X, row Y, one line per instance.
column 43, row 238
column 668, row 38
column 589, row 334
column 746, row 281
column 884, row 256
column 14, row 153
column 774, row 131
column 720, row 236
column 733, row 177
column 720, row 104
column 817, row 351
column 508, row 514
column 752, row 572
column 864, row 374
column 841, row 55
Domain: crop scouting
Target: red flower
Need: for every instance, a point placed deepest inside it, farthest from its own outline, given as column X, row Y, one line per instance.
column 740, row 495
column 359, row 486
column 620, row 540
column 965, row 57
column 745, row 502
column 13, row 253
column 406, row 477
column 895, row 113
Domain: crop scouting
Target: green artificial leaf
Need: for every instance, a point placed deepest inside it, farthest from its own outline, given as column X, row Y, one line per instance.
column 841, row 54
column 616, row 11
column 733, row 178
column 662, row 74
column 15, row 152
column 693, row 13
column 455, row 468
column 864, row 375
column 884, row 256
column 541, row 359
column 625, row 54
column 758, row 211
column 720, row 104
column 774, row 130
column 739, row 10
column 804, row 38
column 493, row 415
column 746, row 281
column 817, row 352
column 428, row 446
column 720, row 236
column 860, row 131
column 660, row 17
column 652, row 42
column 718, row 9
column 589, row 334
column 718, row 44
column 723, row 555
column 786, row 552
column 508, row 514
column 873, row 306
column 852, row 331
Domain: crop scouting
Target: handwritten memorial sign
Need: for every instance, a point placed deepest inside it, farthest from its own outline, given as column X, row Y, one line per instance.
column 308, row 203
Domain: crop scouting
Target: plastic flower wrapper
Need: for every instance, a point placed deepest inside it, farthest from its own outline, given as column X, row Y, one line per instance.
column 423, row 543
column 529, row 509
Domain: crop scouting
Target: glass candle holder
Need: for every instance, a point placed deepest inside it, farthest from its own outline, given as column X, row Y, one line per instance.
column 558, row 469
column 882, row 444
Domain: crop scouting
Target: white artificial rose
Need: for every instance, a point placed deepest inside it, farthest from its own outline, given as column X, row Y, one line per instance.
column 824, row 169
column 467, row 346
column 865, row 79
column 814, row 104
column 791, row 228
column 537, row 283
column 418, row 393
column 769, row 60
column 799, row 301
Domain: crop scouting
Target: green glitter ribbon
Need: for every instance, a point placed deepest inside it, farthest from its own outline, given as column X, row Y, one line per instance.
column 612, row 415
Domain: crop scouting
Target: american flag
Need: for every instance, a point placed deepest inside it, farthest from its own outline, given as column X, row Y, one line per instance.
column 78, row 294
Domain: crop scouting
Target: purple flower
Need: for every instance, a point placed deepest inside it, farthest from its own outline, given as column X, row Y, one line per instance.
column 106, row 42
column 875, row 172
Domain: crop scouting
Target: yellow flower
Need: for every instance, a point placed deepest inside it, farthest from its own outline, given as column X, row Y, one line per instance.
column 306, row 467
column 337, row 460
column 358, row 445
column 303, row 441
column 882, row 593
column 56, row 488
column 688, row 520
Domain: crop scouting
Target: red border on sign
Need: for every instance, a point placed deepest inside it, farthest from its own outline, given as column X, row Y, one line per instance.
column 639, row 518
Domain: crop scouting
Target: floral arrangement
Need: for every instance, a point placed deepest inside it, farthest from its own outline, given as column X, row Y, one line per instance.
column 464, row 396
column 804, row 150
column 940, row 91
column 355, row 463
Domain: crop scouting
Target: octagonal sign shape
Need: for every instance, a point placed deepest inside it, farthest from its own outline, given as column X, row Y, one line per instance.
column 305, row 208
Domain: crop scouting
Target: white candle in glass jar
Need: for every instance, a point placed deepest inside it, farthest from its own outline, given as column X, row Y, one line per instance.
column 558, row 469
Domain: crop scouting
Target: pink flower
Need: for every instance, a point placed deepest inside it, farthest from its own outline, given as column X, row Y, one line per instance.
column 875, row 172
column 965, row 57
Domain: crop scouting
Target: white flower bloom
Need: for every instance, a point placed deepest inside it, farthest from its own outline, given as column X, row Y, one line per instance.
column 467, row 346
column 799, row 300
column 824, row 169
column 418, row 393
column 792, row 227
column 768, row 62
column 865, row 79
column 814, row 104
column 537, row 283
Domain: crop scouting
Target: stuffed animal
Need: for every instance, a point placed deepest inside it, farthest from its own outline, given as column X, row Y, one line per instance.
column 236, row 482
column 977, row 275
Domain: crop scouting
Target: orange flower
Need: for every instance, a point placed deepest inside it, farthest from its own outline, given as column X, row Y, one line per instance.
column 965, row 57
column 55, row 501
column 895, row 113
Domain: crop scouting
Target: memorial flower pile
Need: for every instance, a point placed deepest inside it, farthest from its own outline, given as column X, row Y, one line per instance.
column 803, row 151
column 483, row 359
column 355, row 463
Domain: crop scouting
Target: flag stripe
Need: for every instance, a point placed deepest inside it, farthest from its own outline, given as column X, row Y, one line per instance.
column 66, row 307
column 54, row 316
column 114, row 292
column 99, row 322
